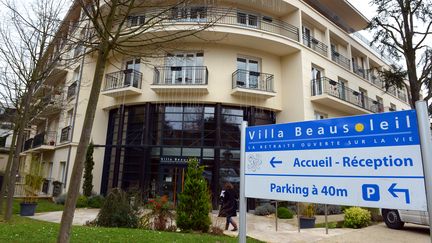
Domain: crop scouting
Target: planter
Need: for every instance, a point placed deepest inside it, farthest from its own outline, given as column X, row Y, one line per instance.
column 27, row 209
column 307, row 223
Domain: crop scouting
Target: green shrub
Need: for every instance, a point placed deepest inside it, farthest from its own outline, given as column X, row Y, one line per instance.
column 88, row 171
column 375, row 214
column 284, row 213
column 261, row 210
column 356, row 217
column 270, row 208
column 60, row 199
column 82, row 202
column 96, row 201
column 117, row 211
column 194, row 202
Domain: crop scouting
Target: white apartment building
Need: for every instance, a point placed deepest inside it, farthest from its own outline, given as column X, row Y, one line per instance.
column 267, row 62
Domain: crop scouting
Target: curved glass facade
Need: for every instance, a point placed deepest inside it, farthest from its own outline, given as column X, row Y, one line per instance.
column 148, row 145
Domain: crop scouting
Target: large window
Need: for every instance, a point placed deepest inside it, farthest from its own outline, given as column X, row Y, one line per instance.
column 184, row 68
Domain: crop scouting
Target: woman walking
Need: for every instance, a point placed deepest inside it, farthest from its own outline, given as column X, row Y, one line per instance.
column 229, row 205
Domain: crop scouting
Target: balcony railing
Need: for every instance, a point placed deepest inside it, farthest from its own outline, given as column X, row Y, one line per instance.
column 252, row 80
column 181, row 75
column 123, row 79
column 44, row 138
column 342, row 60
column 335, row 89
column 65, row 135
column 227, row 16
column 315, row 44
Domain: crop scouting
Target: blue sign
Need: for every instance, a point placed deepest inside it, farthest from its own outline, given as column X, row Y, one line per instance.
column 369, row 160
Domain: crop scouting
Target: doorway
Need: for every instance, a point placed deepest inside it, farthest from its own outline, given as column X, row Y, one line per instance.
column 171, row 181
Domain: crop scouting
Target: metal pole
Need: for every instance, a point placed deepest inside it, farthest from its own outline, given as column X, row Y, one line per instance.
column 242, row 198
column 326, row 221
column 426, row 151
column 298, row 217
column 276, row 214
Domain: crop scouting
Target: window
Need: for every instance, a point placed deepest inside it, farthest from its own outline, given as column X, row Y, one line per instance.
column 342, row 88
column 392, row 107
column 131, row 73
column 72, row 90
column 69, row 117
column 136, row 20
column 62, row 172
column 76, row 74
column 184, row 68
column 363, row 98
column 247, row 19
column 317, row 85
column 248, row 72
column 189, row 13
column 320, row 116
column 79, row 49
column 379, row 104
column 307, row 36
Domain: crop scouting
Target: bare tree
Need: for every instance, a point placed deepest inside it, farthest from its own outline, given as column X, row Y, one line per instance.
column 123, row 27
column 403, row 28
column 28, row 54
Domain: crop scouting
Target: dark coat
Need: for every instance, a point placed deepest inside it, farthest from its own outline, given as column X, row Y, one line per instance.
column 229, row 204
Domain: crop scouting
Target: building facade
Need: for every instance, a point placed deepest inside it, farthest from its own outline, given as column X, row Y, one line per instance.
column 261, row 61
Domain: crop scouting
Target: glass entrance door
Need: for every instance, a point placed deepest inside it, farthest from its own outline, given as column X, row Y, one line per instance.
column 171, row 181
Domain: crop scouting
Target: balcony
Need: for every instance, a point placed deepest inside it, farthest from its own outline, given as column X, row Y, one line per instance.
column 315, row 44
column 51, row 104
column 65, row 135
column 181, row 79
column 124, row 82
column 250, row 83
column 333, row 94
column 237, row 17
column 341, row 60
column 43, row 141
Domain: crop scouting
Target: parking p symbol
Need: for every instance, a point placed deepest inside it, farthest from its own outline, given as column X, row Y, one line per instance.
column 370, row 192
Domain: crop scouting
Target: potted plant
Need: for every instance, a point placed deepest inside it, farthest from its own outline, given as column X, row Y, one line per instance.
column 307, row 215
column 32, row 187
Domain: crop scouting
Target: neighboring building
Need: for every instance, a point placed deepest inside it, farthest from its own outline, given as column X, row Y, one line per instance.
column 272, row 62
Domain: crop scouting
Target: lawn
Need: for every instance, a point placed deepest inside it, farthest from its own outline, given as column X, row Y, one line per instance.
column 44, row 205
column 23, row 229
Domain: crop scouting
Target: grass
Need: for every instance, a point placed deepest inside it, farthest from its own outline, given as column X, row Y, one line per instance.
column 44, row 205
column 23, row 229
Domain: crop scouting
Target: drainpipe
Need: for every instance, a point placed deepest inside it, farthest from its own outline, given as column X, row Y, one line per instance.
column 74, row 117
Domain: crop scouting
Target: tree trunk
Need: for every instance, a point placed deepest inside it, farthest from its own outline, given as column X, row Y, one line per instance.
column 77, row 172
column 7, row 171
column 16, row 157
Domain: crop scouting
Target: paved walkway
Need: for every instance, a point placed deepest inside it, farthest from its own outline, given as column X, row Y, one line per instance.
column 263, row 228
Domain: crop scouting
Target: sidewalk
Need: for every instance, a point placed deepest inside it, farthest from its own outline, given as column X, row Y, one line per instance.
column 258, row 227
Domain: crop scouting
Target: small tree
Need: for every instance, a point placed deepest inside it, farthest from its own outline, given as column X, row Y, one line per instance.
column 88, row 171
column 194, row 202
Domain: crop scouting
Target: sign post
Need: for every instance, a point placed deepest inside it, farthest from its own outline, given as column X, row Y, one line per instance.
column 369, row 160
column 426, row 150
column 242, row 197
